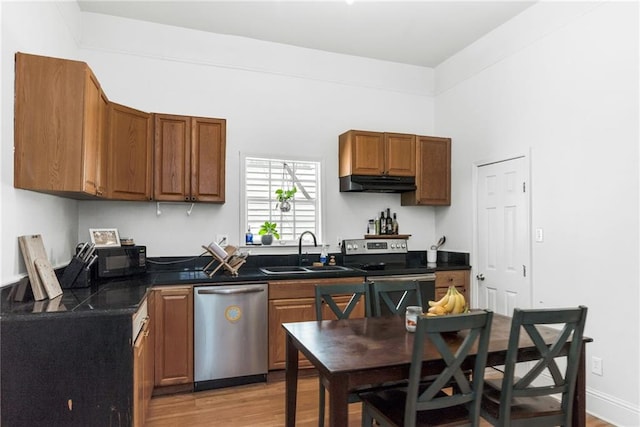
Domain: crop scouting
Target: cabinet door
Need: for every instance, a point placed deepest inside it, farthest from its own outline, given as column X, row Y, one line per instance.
column 172, row 161
column 130, row 154
column 400, row 154
column 457, row 278
column 208, row 151
column 103, row 147
column 92, row 132
column 138, row 380
column 173, row 323
column 149, row 356
column 285, row 311
column 361, row 153
column 55, row 137
column 433, row 173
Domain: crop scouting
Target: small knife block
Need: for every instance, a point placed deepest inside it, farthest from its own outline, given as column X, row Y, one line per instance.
column 76, row 275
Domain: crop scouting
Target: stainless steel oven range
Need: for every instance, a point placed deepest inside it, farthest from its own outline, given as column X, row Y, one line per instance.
column 388, row 260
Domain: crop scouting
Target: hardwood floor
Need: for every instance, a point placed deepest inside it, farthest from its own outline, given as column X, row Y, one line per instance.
column 255, row 405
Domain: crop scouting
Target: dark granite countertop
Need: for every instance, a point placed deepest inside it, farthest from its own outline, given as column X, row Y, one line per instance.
column 123, row 295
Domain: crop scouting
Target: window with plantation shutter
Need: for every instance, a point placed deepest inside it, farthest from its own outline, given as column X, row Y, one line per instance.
column 263, row 176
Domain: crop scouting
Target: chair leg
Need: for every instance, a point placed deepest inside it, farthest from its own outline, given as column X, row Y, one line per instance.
column 321, row 399
column 367, row 419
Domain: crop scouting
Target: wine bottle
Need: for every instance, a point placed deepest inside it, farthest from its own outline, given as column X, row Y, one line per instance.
column 395, row 224
column 389, row 222
column 383, row 223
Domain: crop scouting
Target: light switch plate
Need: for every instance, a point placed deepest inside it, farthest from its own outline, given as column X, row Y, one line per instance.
column 539, row 235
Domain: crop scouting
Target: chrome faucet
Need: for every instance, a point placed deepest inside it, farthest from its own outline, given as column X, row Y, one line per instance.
column 315, row 243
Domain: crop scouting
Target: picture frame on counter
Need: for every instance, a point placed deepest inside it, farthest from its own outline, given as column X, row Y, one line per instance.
column 104, row 237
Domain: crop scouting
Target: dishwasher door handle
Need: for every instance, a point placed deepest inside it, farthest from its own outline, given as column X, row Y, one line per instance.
column 228, row 291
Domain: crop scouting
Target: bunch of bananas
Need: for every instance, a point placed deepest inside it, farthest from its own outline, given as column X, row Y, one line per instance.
column 452, row 303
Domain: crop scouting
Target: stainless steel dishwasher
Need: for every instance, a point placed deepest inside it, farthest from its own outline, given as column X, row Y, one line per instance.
column 230, row 335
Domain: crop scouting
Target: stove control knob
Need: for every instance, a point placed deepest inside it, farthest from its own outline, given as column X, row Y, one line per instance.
column 404, row 246
column 348, row 246
column 355, row 246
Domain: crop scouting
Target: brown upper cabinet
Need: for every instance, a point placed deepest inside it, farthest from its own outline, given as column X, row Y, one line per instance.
column 70, row 140
column 189, row 158
column 130, row 154
column 377, row 153
column 433, row 173
column 60, row 128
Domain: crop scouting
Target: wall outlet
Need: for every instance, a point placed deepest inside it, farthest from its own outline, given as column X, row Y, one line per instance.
column 596, row 366
column 222, row 239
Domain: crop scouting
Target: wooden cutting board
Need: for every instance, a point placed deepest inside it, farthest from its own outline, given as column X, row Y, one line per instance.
column 32, row 248
column 48, row 277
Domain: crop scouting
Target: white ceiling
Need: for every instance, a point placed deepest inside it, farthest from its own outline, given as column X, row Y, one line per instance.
column 423, row 33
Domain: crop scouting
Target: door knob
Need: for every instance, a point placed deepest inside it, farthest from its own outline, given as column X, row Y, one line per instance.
column 480, row 277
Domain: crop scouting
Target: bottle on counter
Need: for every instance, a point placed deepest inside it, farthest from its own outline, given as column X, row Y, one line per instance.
column 323, row 255
column 395, row 224
column 383, row 224
column 377, row 226
column 389, row 222
column 248, row 237
column 371, row 227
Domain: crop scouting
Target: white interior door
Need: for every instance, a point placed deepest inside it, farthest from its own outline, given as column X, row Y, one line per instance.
column 503, row 236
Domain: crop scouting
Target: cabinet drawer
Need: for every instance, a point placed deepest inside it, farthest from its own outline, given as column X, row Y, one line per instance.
column 448, row 278
column 139, row 318
column 440, row 292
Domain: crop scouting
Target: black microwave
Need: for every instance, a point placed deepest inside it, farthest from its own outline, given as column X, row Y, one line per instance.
column 121, row 261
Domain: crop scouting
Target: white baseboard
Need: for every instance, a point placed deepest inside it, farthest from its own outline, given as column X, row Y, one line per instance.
column 612, row 409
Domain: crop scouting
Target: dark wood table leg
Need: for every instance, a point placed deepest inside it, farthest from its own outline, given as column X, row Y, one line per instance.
column 291, row 377
column 579, row 417
column 338, row 402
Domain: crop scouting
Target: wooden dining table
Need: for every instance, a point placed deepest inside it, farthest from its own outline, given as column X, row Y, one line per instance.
column 352, row 354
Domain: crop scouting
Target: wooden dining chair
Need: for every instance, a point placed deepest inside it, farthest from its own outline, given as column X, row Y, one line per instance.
column 427, row 404
column 383, row 292
column 326, row 297
column 527, row 399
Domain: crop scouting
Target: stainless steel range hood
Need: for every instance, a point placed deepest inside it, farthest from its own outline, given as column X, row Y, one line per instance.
column 377, row 184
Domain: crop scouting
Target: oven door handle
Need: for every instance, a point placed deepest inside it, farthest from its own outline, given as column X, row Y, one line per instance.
column 227, row 291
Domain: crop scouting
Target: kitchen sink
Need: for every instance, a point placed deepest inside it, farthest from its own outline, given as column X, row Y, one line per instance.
column 328, row 268
column 297, row 270
column 285, row 269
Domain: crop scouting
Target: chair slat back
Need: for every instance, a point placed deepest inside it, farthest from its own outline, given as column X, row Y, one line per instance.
column 568, row 344
column 429, row 331
column 326, row 293
column 382, row 296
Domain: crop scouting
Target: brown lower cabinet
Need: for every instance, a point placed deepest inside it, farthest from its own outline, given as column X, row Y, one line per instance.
column 294, row 301
column 173, row 324
column 143, row 364
column 457, row 278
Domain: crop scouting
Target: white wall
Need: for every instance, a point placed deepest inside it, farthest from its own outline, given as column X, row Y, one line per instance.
column 278, row 100
column 45, row 29
column 560, row 81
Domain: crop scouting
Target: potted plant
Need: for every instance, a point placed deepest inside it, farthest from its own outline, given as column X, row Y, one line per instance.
column 267, row 231
column 283, row 197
